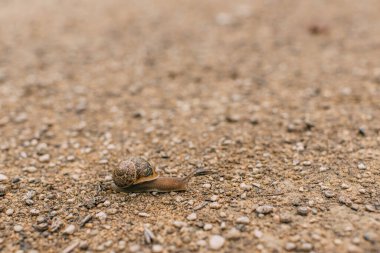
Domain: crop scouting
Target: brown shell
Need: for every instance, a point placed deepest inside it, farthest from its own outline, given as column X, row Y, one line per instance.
column 133, row 171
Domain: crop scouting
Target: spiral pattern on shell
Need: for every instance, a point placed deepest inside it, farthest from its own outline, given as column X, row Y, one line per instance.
column 133, row 171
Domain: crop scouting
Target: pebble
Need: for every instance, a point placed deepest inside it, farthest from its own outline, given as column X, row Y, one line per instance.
column 215, row 205
column 285, row 218
column 245, row 187
column 18, row 228
column 243, row 220
column 34, row 212
column 264, row 209
column 83, row 245
column 370, row 236
column 179, row 224
column 216, row 242
column 207, row 226
column 69, row 230
column 3, row 178
column 192, row 217
column 157, row 248
column 3, row 190
column 233, row 234
column 44, row 158
column 302, row 210
column 258, row 233
column 323, row 168
column 214, row 198
column 101, row 216
column 306, row 247
column 9, row 212
column 362, row 166
column 134, row 248
column 29, row 169
column 289, row 246
column 207, row 186
column 71, row 247
column 329, row 194
column 370, row 208
column 143, row 214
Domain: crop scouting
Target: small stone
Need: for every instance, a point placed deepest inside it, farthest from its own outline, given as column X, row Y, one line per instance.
column 179, row 224
column 142, row 214
column 264, row 209
column 44, row 158
column 191, row 217
column 242, row 220
column 83, row 245
column 306, row 247
column 216, row 242
column 69, row 230
column 29, row 169
column 9, row 212
column 41, row 227
column 34, row 212
column 157, row 248
column 3, row 190
column 214, row 198
column 207, row 227
column 323, row 168
column 302, row 210
column 207, row 186
column 233, row 234
column 362, row 166
column 18, row 228
column 370, row 208
column 245, row 187
column 355, row 207
column 42, row 148
column 289, row 246
column 258, row 233
column 101, row 216
column 329, row 194
column 370, row 236
column 70, row 158
column 134, row 248
column 215, row 205
column 285, row 218
column 3, row 178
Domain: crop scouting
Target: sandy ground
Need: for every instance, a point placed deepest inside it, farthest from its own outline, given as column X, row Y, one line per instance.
column 280, row 99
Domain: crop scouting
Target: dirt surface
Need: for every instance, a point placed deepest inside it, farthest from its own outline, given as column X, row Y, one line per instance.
column 280, row 99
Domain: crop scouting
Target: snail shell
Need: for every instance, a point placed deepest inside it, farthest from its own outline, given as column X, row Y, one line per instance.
column 132, row 171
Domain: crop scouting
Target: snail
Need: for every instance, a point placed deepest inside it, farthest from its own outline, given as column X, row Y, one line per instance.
column 137, row 175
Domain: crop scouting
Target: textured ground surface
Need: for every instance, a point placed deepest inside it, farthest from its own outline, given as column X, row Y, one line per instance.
column 270, row 95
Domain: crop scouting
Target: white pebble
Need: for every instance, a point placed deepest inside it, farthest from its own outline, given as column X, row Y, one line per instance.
column 18, row 228
column 143, row 214
column 242, row 220
column 216, row 242
column 157, row 248
column 192, row 216
column 101, row 215
column 44, row 158
column 362, row 166
column 179, row 224
column 207, row 186
column 3, row 178
column 207, row 226
column 69, row 230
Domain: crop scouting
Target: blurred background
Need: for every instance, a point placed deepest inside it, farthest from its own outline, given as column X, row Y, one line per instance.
column 269, row 92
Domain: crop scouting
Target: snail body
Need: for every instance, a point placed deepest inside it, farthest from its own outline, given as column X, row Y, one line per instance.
column 137, row 175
